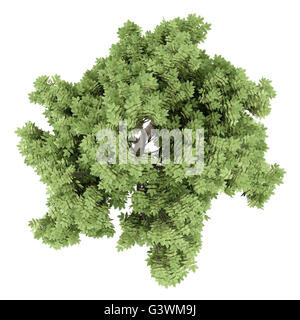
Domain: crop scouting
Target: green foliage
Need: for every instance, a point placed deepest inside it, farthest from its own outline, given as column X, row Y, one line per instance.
column 162, row 76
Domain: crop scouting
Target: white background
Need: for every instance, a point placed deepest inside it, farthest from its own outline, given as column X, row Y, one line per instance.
column 247, row 253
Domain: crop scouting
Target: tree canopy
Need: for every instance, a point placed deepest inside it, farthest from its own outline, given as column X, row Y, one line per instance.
column 164, row 76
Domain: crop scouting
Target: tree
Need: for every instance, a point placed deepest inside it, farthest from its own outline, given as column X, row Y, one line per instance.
column 161, row 76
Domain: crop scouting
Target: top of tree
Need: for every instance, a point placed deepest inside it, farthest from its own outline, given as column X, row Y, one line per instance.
column 162, row 76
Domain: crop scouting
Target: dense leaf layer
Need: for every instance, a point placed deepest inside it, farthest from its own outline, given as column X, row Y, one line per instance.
column 162, row 76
